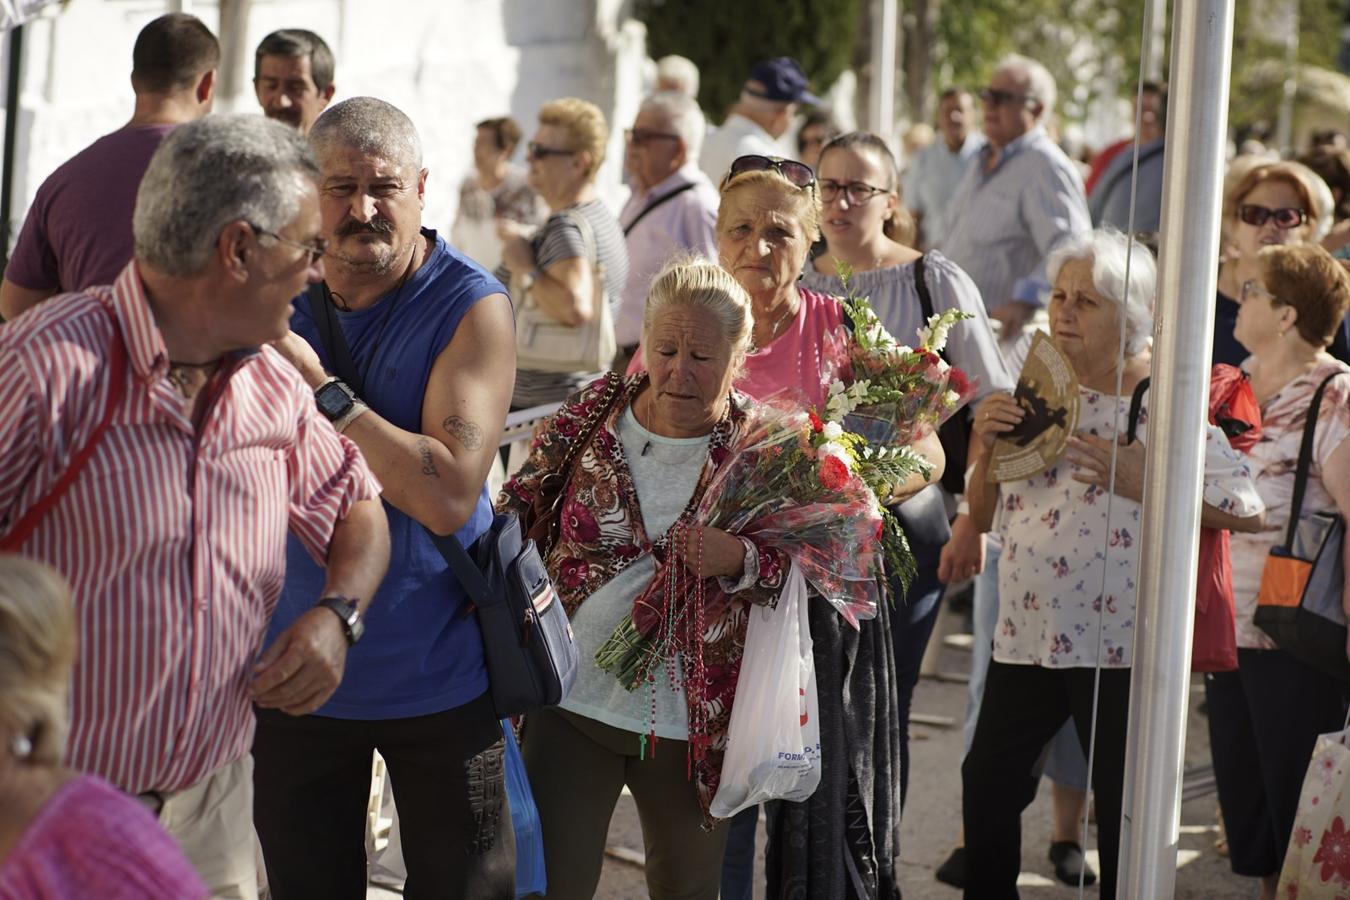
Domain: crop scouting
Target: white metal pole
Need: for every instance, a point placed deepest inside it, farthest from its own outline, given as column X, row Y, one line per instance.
column 884, row 21
column 1197, row 121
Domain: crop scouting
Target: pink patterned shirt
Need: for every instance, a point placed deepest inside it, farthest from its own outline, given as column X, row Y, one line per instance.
column 91, row 840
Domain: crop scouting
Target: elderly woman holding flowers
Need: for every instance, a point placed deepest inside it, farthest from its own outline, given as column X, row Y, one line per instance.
column 635, row 457
column 1071, row 538
column 767, row 219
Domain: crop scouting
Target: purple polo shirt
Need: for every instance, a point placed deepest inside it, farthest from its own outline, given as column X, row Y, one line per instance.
column 78, row 230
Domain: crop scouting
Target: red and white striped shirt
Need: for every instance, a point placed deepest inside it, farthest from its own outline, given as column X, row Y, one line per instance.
column 173, row 540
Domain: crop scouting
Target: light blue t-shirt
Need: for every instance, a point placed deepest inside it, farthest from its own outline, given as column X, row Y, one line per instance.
column 420, row 654
column 665, row 473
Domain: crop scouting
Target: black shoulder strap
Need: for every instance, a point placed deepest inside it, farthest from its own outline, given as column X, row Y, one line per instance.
column 332, row 338
column 1136, row 403
column 921, row 285
column 655, row 203
column 1305, row 460
column 340, row 356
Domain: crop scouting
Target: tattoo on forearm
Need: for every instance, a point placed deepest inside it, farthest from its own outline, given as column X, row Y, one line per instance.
column 428, row 463
column 467, row 433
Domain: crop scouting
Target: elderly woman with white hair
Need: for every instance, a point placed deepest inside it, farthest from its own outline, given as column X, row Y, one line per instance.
column 1070, row 557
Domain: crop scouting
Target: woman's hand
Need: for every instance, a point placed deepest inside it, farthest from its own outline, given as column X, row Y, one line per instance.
column 517, row 253
column 1091, row 455
column 962, row 556
column 997, row 414
column 723, row 553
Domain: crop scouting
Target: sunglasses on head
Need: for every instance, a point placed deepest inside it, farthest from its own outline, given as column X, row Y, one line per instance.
column 798, row 173
column 1285, row 217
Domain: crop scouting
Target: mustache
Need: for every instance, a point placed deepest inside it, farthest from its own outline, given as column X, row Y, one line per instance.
column 377, row 225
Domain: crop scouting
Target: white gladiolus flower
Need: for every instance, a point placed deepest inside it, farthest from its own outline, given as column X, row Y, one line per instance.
column 832, row 430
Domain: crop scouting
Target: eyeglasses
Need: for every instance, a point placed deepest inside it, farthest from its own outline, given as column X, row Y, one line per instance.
column 995, row 97
column 315, row 250
column 1251, row 288
column 539, row 151
column 1285, row 217
column 857, row 192
column 641, row 137
column 798, row 173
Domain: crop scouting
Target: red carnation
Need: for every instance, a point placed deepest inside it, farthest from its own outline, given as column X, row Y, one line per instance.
column 816, row 424
column 929, row 357
column 833, row 473
column 957, row 381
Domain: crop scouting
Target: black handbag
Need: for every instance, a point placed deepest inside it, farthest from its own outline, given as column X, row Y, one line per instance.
column 532, row 659
column 1299, row 602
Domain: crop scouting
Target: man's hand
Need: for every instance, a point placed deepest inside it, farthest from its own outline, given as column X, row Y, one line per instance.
column 962, row 556
column 303, row 667
column 301, row 355
column 723, row 553
column 1091, row 455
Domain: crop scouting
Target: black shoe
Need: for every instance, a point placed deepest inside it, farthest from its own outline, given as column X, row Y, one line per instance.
column 953, row 871
column 1069, row 862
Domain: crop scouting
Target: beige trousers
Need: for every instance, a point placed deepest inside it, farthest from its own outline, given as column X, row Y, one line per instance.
column 213, row 823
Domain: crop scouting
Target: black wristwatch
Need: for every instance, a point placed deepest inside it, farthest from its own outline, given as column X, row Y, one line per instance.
column 345, row 609
column 334, row 399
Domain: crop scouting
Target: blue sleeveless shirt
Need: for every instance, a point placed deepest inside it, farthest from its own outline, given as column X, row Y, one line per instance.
column 420, row 653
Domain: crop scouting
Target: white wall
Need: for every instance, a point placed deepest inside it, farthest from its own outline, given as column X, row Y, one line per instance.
column 447, row 63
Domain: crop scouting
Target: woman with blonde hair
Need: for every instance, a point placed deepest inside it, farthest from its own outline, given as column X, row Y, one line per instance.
column 634, row 457
column 62, row 834
column 580, row 242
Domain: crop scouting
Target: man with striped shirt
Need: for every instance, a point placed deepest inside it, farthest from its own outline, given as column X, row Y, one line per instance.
column 201, row 447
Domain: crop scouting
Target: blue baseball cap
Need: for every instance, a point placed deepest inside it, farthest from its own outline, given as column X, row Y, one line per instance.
column 783, row 81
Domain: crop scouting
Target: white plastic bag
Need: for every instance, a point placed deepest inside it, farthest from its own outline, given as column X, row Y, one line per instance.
column 773, row 740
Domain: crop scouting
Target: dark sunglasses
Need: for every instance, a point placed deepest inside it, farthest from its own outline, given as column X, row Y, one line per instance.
column 640, row 137
column 798, row 173
column 857, row 192
column 315, row 250
column 539, row 151
column 995, row 97
column 1285, row 217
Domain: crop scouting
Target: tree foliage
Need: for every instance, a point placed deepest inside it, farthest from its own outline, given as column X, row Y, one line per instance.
column 1090, row 43
column 725, row 39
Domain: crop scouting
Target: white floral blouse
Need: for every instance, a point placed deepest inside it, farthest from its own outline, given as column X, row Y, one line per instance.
column 1066, row 567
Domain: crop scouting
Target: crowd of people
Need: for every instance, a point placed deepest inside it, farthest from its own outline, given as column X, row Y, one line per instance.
column 246, row 392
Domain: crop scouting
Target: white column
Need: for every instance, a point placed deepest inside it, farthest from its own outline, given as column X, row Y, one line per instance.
column 1202, row 38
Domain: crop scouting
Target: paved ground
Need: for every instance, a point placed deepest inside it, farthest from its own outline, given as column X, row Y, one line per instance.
column 933, row 817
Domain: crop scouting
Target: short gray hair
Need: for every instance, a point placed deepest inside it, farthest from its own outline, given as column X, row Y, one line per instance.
column 1108, row 250
column 679, row 71
column 685, row 117
column 1040, row 83
column 211, row 172
column 697, row 282
column 373, row 127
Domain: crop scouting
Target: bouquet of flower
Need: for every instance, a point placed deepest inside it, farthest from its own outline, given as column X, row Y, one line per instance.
column 803, row 485
column 888, row 392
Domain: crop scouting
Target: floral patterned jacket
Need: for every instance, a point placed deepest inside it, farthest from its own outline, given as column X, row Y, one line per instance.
column 602, row 533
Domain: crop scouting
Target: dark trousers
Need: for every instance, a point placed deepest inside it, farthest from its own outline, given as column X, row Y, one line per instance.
column 738, row 865
column 1264, row 720
column 311, row 782
column 912, row 620
column 1023, row 708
